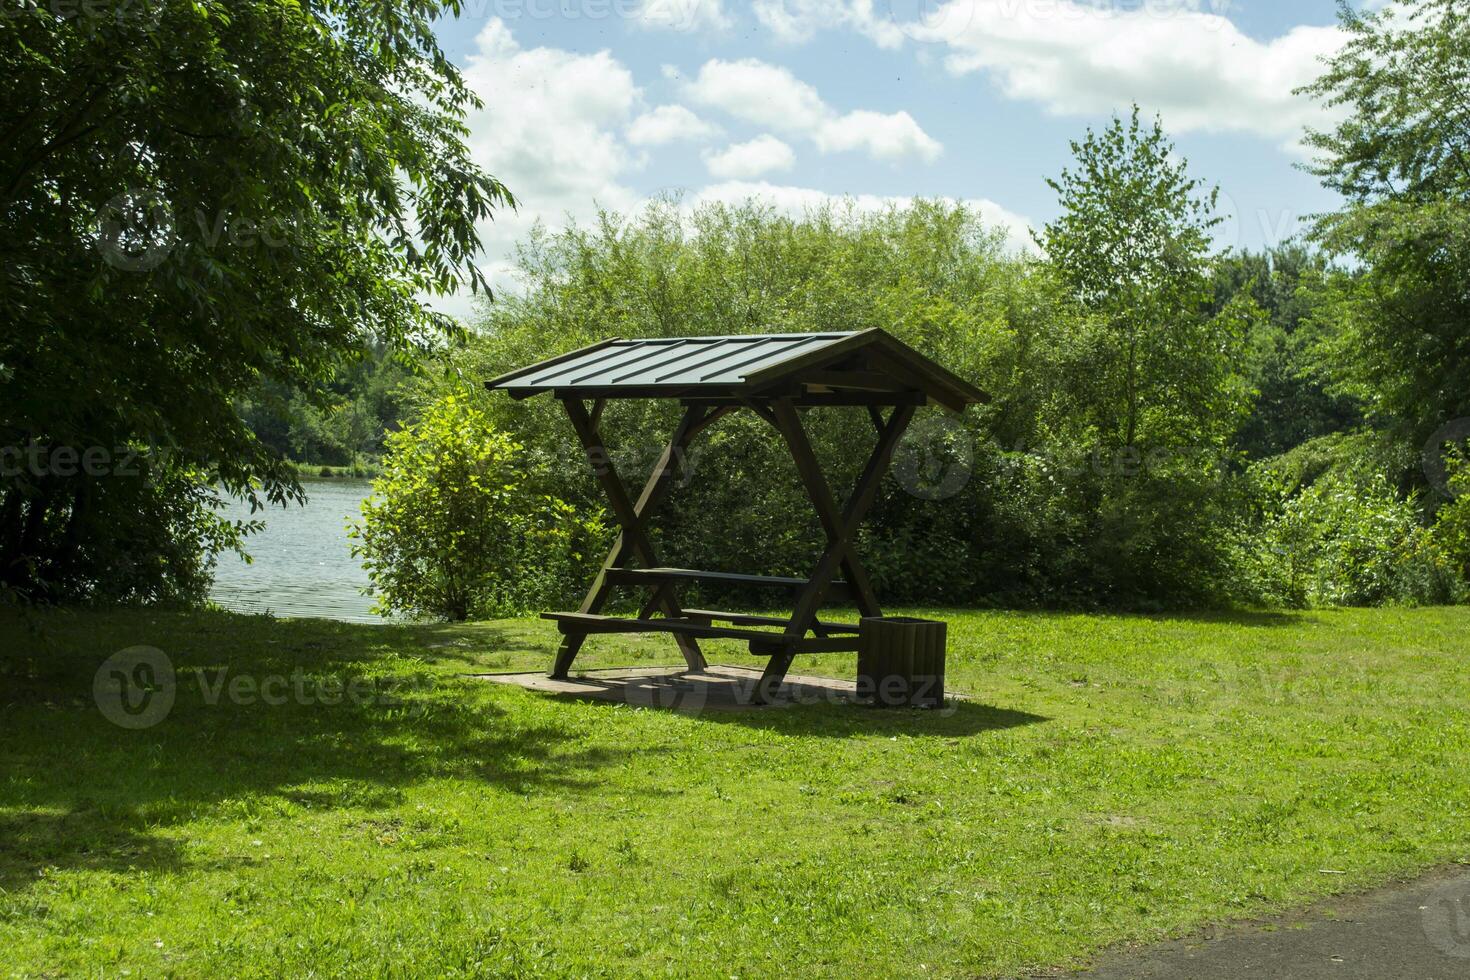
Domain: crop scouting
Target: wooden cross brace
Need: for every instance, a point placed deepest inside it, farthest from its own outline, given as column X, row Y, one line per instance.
column 632, row 542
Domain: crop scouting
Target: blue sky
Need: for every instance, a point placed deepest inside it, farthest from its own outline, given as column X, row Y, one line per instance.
column 611, row 101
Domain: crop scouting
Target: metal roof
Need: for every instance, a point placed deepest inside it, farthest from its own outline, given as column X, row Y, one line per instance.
column 739, row 365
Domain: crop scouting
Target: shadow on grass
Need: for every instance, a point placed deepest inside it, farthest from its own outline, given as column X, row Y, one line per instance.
column 1239, row 617
column 77, row 791
column 957, row 719
column 1224, row 617
column 813, row 714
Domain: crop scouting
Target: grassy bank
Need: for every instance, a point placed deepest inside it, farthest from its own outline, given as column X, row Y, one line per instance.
column 365, row 470
column 1117, row 778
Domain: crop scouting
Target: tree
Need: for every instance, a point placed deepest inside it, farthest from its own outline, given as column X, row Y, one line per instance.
column 1045, row 511
column 198, row 197
column 1401, row 159
column 1158, row 385
column 1292, row 403
column 1132, row 244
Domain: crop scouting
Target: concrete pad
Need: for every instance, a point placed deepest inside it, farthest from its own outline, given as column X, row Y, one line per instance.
column 717, row 688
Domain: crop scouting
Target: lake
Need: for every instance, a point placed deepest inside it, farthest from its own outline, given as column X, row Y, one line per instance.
column 303, row 559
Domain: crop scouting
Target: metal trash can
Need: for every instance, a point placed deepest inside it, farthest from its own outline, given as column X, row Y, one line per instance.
column 901, row 661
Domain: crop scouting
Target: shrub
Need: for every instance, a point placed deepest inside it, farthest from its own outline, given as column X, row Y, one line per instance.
column 1451, row 532
column 459, row 525
column 1347, row 542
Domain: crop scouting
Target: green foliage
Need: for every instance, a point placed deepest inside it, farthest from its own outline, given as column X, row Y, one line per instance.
column 1347, row 542
column 1132, row 246
column 934, row 275
column 457, row 528
column 1292, row 403
column 163, row 553
column 1452, row 523
column 1155, row 385
column 336, row 423
column 1398, row 157
column 1059, row 509
column 200, row 197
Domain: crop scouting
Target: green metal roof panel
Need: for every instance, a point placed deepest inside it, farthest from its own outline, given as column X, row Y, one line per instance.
column 740, row 365
column 667, row 362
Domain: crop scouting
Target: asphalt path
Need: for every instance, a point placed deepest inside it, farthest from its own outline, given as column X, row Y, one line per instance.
column 1417, row 931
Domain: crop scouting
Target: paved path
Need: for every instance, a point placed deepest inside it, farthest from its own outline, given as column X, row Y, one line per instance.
column 1419, row 931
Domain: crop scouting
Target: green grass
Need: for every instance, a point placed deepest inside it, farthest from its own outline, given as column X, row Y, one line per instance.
column 1117, row 779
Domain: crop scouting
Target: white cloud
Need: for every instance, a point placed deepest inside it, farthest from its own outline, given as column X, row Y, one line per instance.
column 760, row 93
column 771, row 96
column 797, row 201
column 561, row 129
column 1197, row 69
column 1181, row 58
column 885, row 136
column 762, row 155
column 795, row 21
column 548, row 129
column 669, row 124
column 683, row 15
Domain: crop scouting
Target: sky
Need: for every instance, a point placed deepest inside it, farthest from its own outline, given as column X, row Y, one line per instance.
column 609, row 102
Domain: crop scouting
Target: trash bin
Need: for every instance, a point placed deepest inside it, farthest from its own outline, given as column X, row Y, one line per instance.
column 901, row 661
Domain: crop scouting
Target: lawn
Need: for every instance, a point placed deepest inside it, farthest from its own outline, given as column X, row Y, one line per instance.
column 1115, row 779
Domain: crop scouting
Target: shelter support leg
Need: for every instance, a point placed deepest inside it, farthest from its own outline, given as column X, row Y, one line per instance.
column 770, row 681
column 841, row 528
column 632, row 542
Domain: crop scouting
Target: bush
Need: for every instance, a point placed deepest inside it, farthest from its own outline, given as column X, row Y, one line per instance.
column 149, row 533
column 1347, row 542
column 459, row 525
column 1451, row 532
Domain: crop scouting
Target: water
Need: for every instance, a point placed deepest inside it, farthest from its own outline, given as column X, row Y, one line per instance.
column 303, row 559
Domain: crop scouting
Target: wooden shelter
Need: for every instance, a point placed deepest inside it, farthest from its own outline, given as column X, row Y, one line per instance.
column 775, row 376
